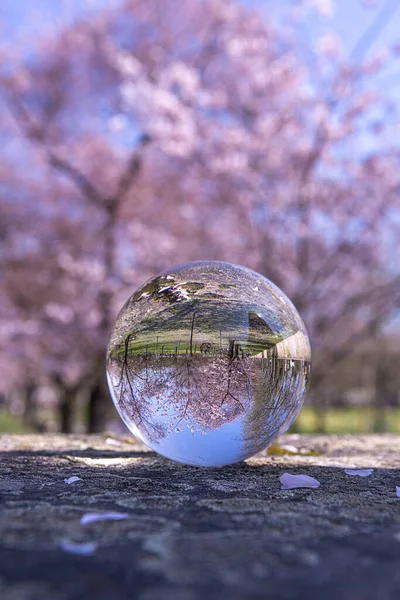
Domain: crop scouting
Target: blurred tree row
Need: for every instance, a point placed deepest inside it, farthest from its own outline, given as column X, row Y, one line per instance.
column 159, row 132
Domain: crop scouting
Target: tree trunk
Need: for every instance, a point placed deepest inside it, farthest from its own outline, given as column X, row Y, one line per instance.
column 30, row 412
column 67, row 410
column 99, row 407
column 379, row 424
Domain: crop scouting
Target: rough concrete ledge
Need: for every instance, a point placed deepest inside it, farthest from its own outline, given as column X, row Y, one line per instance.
column 196, row 533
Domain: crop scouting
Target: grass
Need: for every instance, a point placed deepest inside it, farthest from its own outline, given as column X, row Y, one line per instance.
column 337, row 420
column 346, row 420
column 12, row 424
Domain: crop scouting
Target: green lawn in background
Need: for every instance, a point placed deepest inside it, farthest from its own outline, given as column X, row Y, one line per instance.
column 11, row 424
column 346, row 420
column 337, row 420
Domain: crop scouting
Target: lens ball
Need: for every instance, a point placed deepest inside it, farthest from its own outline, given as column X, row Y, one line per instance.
column 208, row 362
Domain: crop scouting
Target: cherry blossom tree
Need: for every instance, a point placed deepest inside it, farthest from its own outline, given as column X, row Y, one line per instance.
column 289, row 195
column 156, row 133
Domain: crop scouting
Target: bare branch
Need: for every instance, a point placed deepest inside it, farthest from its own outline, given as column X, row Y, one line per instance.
column 76, row 176
column 131, row 171
column 37, row 134
column 335, row 356
column 372, row 32
column 354, row 303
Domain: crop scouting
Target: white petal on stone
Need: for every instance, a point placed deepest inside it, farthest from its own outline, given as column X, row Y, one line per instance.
column 81, row 548
column 112, row 442
column 72, row 479
column 107, row 516
column 398, row 491
column 289, row 448
column 290, row 482
column 359, row 472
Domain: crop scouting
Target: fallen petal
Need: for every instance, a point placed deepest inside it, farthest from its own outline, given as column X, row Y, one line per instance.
column 289, row 448
column 72, row 479
column 359, row 472
column 398, row 491
column 112, row 442
column 107, row 516
column 290, row 482
column 82, row 548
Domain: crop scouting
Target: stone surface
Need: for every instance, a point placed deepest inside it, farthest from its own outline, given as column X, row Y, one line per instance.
column 198, row 532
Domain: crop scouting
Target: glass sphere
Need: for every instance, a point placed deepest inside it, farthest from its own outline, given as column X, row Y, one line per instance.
column 208, row 362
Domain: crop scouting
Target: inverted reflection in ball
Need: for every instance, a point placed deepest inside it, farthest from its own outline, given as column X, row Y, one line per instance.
column 208, row 362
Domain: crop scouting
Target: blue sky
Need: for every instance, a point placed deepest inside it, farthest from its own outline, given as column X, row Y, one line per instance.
column 349, row 21
column 24, row 20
